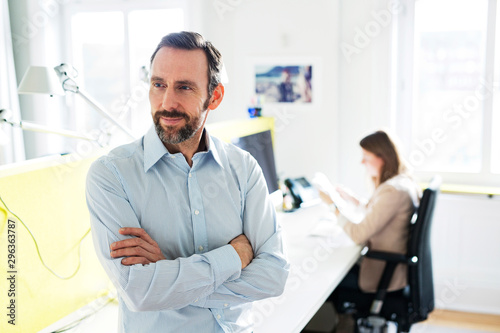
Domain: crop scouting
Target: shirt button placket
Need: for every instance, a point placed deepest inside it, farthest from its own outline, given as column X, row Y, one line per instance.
column 197, row 213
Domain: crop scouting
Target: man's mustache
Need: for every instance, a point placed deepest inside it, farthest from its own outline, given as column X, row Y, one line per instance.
column 171, row 114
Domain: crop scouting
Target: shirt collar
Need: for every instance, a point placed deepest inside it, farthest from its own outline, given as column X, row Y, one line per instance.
column 213, row 149
column 154, row 149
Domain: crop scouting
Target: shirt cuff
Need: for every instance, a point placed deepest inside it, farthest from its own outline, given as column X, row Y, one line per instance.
column 227, row 264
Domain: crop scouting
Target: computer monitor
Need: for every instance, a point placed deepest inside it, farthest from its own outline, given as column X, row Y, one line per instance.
column 260, row 146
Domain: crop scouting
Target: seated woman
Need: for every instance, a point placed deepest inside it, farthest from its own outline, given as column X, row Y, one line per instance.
column 385, row 226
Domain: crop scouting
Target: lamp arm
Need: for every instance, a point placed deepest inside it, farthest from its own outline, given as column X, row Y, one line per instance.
column 46, row 129
column 67, row 73
column 102, row 111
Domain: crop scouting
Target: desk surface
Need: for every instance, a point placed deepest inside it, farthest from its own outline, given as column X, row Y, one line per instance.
column 320, row 255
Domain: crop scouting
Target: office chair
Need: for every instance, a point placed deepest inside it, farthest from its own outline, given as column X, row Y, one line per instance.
column 416, row 301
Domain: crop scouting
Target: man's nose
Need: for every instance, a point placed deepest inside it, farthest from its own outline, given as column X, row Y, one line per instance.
column 169, row 101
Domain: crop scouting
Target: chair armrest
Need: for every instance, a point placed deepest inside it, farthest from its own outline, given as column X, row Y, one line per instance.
column 392, row 257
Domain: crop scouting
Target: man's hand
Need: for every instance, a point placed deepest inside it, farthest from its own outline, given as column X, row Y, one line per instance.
column 140, row 250
column 243, row 248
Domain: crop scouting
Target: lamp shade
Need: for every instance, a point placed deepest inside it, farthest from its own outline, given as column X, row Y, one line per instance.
column 40, row 80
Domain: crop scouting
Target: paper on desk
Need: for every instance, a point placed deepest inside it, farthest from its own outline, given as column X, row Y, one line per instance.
column 349, row 210
column 332, row 232
column 322, row 183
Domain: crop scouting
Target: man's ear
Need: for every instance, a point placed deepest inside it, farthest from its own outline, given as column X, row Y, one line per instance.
column 217, row 97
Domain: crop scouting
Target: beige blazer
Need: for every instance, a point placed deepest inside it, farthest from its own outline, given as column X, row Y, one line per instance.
column 385, row 227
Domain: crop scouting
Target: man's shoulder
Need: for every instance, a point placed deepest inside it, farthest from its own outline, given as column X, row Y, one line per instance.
column 229, row 149
column 123, row 154
column 233, row 156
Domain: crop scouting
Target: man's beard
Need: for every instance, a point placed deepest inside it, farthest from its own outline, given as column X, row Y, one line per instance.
column 172, row 136
column 169, row 135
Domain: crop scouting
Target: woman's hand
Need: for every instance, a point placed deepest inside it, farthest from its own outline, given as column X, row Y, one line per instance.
column 328, row 200
column 325, row 197
column 345, row 194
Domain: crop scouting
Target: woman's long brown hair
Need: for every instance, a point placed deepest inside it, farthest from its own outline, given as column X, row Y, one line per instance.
column 382, row 145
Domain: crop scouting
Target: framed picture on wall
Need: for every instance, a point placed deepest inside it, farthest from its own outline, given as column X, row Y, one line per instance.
column 287, row 81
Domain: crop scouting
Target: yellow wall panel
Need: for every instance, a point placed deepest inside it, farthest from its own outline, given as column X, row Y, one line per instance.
column 228, row 130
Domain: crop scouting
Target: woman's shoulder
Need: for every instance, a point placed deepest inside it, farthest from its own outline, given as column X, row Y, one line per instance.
column 403, row 185
column 398, row 181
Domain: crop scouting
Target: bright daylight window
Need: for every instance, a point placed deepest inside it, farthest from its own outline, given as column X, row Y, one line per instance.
column 449, row 60
column 495, row 135
column 110, row 50
column 455, row 97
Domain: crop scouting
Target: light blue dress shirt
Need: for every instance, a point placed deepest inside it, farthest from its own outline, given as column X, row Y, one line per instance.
column 192, row 213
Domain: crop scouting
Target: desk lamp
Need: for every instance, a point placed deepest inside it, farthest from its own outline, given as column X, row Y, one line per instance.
column 56, row 81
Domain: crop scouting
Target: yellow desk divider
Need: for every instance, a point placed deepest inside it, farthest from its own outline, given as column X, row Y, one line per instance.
column 228, row 130
column 48, row 195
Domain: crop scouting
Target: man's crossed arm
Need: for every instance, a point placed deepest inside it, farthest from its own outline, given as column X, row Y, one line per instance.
column 144, row 250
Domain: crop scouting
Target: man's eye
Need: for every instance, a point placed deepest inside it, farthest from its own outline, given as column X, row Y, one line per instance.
column 157, row 85
column 185, row 88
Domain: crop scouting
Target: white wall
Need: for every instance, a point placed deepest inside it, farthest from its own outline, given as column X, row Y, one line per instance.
column 306, row 137
column 355, row 88
column 365, row 91
column 465, row 250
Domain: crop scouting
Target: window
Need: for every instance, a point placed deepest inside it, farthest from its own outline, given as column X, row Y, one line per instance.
column 495, row 129
column 454, row 98
column 111, row 46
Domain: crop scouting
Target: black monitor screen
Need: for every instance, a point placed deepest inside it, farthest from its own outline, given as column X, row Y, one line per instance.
column 260, row 146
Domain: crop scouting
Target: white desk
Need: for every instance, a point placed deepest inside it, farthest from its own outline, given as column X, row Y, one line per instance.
column 318, row 264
